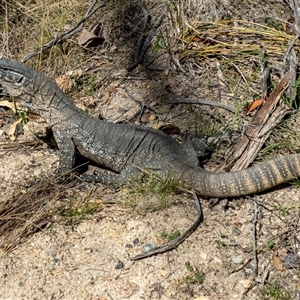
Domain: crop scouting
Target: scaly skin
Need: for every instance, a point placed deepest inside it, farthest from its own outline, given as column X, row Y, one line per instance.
column 127, row 149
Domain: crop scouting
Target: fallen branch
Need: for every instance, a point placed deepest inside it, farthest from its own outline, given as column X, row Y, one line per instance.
column 254, row 235
column 265, row 119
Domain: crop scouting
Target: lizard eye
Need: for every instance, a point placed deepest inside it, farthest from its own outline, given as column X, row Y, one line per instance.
column 12, row 75
column 20, row 79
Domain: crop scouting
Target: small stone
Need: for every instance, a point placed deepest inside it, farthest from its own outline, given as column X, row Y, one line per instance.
column 236, row 231
column 119, row 265
column 148, row 247
column 163, row 272
column 291, row 261
column 245, row 283
column 217, row 260
column 237, row 259
column 57, row 261
column 136, row 242
column 248, row 271
column 203, row 255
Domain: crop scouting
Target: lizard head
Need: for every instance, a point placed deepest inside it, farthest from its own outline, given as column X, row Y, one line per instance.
column 15, row 79
column 33, row 89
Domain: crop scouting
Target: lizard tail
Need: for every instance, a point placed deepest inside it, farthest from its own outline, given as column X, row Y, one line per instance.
column 258, row 178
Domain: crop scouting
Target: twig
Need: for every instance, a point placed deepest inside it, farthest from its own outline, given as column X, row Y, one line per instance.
column 254, row 245
column 143, row 45
column 142, row 37
column 173, row 244
column 292, row 91
column 17, row 144
column 290, row 53
column 203, row 102
column 67, row 33
column 264, row 73
column 139, row 113
column 294, row 6
column 254, row 235
column 139, row 101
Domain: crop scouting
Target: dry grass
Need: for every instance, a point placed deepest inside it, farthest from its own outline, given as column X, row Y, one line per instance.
column 235, row 39
column 27, row 213
column 50, row 200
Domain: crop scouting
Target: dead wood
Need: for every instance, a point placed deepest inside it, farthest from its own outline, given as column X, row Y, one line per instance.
column 261, row 125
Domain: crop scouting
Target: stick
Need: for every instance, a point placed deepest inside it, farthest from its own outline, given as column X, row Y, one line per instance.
column 254, row 235
column 173, row 244
column 203, row 102
column 140, row 102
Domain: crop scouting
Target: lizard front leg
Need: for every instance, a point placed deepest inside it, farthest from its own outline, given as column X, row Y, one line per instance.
column 67, row 152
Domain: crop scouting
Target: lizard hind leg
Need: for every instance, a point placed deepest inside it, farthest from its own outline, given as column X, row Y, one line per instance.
column 196, row 149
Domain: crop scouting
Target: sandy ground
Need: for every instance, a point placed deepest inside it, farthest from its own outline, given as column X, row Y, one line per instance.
column 91, row 258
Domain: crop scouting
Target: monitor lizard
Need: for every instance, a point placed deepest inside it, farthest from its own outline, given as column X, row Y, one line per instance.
column 129, row 150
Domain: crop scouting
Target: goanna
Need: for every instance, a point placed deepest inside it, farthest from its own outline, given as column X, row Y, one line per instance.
column 127, row 149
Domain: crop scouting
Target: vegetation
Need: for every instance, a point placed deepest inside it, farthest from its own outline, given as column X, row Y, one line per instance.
column 273, row 291
column 204, row 50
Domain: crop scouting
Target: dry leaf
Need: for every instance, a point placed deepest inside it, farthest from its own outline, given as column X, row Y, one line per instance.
column 88, row 101
column 166, row 72
column 89, row 39
column 108, row 92
column 168, row 128
column 255, row 104
column 8, row 104
column 152, row 117
column 148, row 117
column 99, row 63
column 277, row 262
column 282, row 253
column 12, row 129
column 64, row 82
